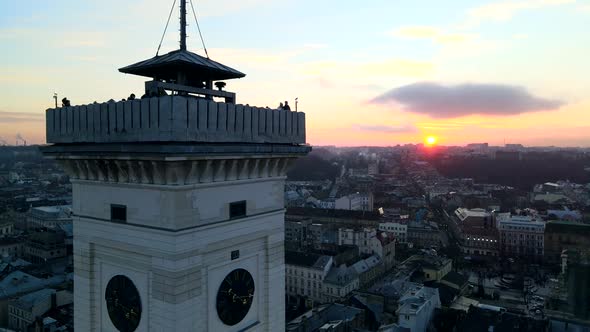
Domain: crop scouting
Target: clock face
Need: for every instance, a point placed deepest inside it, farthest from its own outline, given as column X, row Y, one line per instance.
column 235, row 296
column 123, row 303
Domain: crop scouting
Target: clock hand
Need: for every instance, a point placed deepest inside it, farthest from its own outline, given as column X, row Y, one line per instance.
column 245, row 296
column 233, row 295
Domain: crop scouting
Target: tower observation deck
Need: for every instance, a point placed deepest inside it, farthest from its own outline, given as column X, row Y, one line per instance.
column 180, row 106
column 179, row 114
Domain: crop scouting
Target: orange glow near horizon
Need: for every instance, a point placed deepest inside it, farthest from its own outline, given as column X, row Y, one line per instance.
column 430, row 140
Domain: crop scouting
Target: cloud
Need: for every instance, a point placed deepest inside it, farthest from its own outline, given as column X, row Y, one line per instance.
column 439, row 101
column 19, row 117
column 385, row 128
column 416, row 32
column 388, row 68
column 314, row 46
column 223, row 7
column 505, row 10
column 452, row 43
column 431, row 33
column 398, row 67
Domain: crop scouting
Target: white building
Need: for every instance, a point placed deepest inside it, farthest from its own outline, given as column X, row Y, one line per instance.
column 368, row 269
column 416, row 308
column 340, row 282
column 521, row 236
column 12, row 246
column 370, row 241
column 13, row 177
column 6, row 228
column 400, row 230
column 328, row 203
column 305, row 274
column 361, row 238
column 49, row 216
column 473, row 215
column 176, row 198
column 23, row 311
column 373, row 167
column 356, row 202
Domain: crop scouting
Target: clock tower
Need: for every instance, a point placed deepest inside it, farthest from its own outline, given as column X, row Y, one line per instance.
column 177, row 201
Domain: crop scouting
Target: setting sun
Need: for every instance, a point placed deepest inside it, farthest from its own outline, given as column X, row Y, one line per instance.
column 431, row 140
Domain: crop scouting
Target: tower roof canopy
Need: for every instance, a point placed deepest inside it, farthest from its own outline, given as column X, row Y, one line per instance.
column 195, row 67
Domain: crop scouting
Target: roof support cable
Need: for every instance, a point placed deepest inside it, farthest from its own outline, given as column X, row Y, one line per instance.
column 166, row 28
column 199, row 29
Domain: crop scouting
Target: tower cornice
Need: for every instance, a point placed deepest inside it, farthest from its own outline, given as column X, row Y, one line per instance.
column 175, row 173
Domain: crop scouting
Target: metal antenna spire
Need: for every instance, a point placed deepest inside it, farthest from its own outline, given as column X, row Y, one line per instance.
column 183, row 25
column 199, row 29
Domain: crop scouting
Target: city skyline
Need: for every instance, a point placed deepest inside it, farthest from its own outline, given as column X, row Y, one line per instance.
column 389, row 72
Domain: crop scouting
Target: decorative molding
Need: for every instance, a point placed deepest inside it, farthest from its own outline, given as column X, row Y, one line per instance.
column 175, row 173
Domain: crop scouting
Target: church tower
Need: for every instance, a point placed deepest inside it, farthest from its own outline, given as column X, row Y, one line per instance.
column 177, row 201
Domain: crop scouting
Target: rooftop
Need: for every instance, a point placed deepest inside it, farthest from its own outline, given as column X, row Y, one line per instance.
column 479, row 319
column 520, row 220
column 428, row 261
column 310, row 260
column 28, row 301
column 464, row 213
column 195, row 67
column 19, row 282
column 366, row 264
column 53, row 212
column 564, row 226
column 181, row 66
column 341, row 275
column 415, row 298
column 566, row 214
column 331, row 213
column 455, row 278
column 385, row 237
column 314, row 319
column 552, row 198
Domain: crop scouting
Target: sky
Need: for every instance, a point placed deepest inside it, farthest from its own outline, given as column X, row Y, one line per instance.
column 374, row 72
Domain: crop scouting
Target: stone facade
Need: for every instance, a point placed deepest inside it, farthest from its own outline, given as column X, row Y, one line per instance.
column 424, row 235
column 521, row 236
column 340, row 282
column 400, row 230
column 355, row 202
column 49, row 216
column 6, row 229
column 173, row 119
column 477, row 232
column 176, row 247
column 305, row 275
column 416, row 308
column 12, row 246
column 42, row 247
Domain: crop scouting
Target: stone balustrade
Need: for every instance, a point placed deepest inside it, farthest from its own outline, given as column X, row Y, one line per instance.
column 173, row 119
